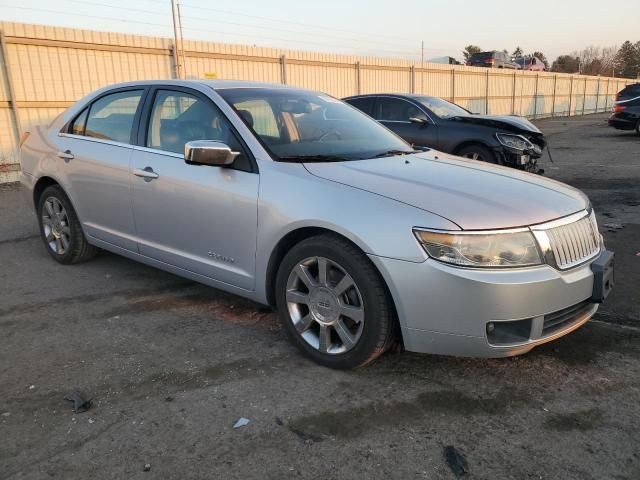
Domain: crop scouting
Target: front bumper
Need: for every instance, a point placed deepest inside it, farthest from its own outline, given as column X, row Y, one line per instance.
column 448, row 310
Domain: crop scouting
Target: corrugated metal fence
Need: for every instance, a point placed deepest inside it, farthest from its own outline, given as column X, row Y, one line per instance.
column 45, row 69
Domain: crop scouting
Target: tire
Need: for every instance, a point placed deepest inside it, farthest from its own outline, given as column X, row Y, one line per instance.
column 478, row 152
column 60, row 228
column 357, row 323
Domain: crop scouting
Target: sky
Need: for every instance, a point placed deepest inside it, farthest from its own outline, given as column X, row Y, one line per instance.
column 357, row 27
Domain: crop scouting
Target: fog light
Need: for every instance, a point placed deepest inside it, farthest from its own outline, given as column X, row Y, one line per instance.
column 490, row 327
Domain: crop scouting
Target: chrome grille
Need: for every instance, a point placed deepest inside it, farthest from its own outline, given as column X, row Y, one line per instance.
column 575, row 242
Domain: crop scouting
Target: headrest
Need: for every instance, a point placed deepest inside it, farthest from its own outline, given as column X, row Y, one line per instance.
column 246, row 116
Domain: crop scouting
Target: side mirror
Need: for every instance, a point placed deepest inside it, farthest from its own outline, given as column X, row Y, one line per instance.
column 418, row 120
column 209, row 152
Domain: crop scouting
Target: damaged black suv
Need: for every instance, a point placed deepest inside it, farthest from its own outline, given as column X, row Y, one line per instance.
column 626, row 110
column 436, row 123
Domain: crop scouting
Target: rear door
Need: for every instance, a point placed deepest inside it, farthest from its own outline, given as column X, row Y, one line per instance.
column 394, row 113
column 200, row 218
column 96, row 150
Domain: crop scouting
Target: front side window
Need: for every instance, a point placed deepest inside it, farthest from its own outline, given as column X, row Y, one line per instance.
column 311, row 126
column 111, row 117
column 396, row 110
column 179, row 117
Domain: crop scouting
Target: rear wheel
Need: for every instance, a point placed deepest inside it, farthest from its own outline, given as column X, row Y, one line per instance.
column 478, row 152
column 333, row 303
column 60, row 228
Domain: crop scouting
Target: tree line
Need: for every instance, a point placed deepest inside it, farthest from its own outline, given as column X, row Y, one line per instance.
column 623, row 61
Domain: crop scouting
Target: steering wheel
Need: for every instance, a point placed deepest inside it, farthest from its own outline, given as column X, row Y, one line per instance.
column 328, row 133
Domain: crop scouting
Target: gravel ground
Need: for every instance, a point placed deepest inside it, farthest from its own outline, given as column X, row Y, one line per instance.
column 171, row 365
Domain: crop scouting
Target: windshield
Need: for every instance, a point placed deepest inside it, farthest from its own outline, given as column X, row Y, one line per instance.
column 442, row 108
column 295, row 124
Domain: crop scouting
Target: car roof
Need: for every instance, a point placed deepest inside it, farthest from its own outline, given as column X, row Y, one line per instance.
column 409, row 96
column 214, row 84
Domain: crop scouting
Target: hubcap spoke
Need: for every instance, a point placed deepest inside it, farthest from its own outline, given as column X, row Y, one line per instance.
column 48, row 205
column 322, row 271
column 354, row 313
column 304, row 323
column 58, row 245
column 343, row 285
column 65, row 241
column 303, row 274
column 345, row 335
column 325, row 338
column 297, row 297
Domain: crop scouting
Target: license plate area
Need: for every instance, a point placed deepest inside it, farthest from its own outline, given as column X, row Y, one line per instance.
column 603, row 276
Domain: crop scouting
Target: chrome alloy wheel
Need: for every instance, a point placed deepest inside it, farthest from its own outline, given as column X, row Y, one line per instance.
column 55, row 224
column 325, row 305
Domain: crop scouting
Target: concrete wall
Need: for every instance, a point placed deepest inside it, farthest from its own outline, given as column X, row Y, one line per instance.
column 45, row 69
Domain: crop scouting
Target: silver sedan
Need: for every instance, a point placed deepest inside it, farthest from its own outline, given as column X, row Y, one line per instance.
column 295, row 199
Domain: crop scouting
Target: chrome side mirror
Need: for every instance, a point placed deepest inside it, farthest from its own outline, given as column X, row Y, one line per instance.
column 209, row 152
column 418, row 120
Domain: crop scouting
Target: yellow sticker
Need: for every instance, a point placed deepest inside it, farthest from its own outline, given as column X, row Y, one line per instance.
column 210, row 75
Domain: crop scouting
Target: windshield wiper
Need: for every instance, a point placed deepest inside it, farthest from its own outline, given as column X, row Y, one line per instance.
column 393, row 153
column 313, row 158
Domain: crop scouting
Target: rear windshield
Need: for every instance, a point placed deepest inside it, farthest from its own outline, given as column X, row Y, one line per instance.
column 630, row 91
column 482, row 55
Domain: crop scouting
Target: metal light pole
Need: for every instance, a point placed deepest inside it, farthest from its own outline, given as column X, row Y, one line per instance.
column 176, row 53
column 422, row 69
column 184, row 61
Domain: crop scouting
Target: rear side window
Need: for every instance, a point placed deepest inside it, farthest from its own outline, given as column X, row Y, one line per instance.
column 111, row 117
column 364, row 104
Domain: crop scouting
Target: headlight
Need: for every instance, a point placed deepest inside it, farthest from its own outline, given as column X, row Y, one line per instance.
column 517, row 142
column 515, row 248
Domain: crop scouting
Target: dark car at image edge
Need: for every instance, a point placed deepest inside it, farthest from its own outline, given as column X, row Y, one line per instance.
column 436, row 123
column 626, row 111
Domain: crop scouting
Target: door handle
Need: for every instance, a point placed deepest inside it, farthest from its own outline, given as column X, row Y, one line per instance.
column 147, row 173
column 66, row 155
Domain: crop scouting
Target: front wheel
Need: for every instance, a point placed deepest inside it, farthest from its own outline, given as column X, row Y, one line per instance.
column 478, row 152
column 333, row 303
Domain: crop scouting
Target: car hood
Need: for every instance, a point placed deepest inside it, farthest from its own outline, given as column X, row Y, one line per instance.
column 511, row 123
column 474, row 195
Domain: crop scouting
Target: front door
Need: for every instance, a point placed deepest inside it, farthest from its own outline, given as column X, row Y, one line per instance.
column 395, row 114
column 199, row 218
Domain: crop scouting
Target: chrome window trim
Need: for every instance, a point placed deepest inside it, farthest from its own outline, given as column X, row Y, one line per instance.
column 157, row 151
column 96, row 140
